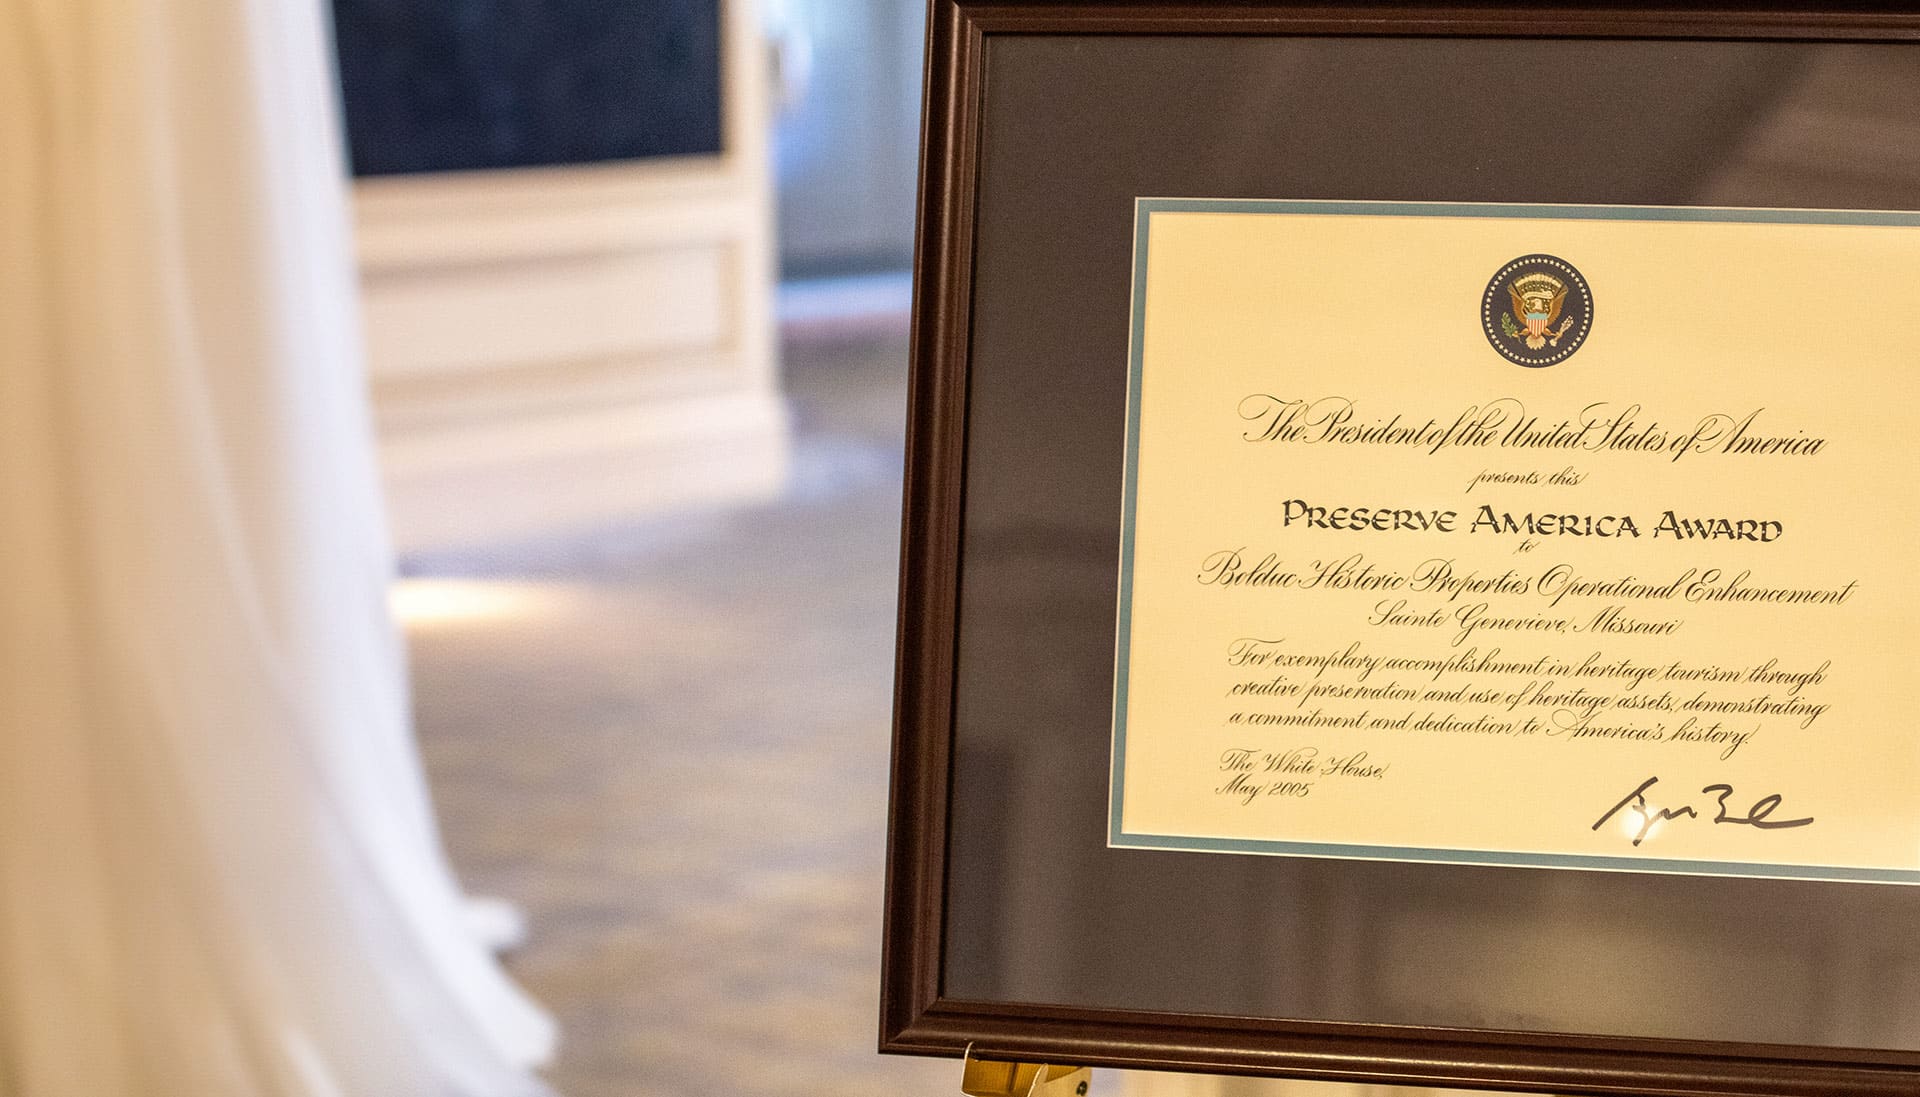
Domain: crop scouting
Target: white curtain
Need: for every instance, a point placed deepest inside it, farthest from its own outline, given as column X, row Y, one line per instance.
column 219, row 876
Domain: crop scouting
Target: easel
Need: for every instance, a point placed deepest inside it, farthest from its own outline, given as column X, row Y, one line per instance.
column 987, row 1078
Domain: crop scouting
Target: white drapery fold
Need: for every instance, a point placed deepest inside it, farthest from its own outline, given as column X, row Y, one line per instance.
column 219, row 873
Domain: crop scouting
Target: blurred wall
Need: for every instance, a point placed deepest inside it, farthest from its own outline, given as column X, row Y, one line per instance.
column 848, row 143
column 467, row 84
column 565, row 237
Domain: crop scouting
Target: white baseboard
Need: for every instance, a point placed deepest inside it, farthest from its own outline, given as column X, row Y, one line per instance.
column 464, row 482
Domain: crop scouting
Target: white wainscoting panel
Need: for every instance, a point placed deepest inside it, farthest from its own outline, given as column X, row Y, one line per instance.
column 555, row 348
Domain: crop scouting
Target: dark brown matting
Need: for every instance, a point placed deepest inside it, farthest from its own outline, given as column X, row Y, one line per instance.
column 1010, row 924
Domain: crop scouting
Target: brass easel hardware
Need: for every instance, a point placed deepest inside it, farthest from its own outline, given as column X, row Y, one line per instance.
column 988, row 1078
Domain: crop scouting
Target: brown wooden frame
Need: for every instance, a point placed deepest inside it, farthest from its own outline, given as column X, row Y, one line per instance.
column 916, row 1016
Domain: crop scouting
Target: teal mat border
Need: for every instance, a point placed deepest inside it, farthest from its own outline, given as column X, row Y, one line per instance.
column 1144, row 208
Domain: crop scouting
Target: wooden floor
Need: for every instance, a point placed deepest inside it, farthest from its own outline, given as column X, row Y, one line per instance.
column 668, row 742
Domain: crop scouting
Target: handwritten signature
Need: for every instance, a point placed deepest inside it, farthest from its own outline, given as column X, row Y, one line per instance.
column 1759, row 816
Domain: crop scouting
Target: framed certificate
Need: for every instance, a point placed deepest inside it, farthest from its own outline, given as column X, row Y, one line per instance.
column 1639, row 611
column 1407, row 561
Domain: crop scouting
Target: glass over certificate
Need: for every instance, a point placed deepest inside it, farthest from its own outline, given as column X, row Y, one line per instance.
column 1572, row 537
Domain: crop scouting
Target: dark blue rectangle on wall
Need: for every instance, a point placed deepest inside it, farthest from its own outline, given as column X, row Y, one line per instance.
column 450, row 85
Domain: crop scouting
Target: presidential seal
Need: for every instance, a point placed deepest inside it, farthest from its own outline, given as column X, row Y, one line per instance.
column 1537, row 310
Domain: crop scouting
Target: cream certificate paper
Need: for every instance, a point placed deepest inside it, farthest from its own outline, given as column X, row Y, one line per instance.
column 1558, row 536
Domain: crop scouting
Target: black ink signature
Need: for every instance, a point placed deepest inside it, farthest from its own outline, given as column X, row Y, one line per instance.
column 1758, row 816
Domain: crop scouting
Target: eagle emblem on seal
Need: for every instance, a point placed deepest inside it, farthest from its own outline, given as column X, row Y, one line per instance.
column 1537, row 301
